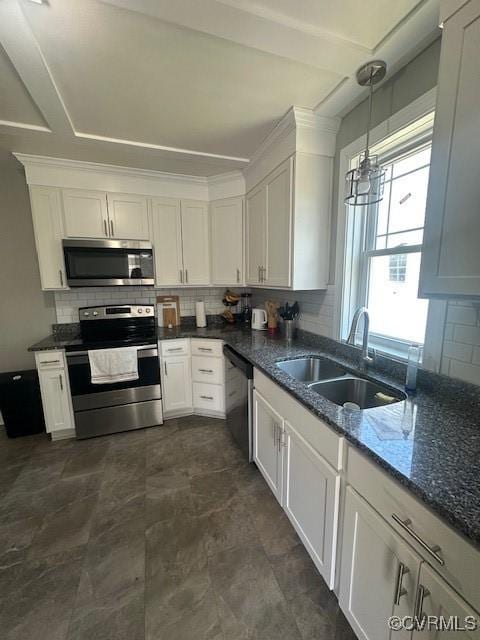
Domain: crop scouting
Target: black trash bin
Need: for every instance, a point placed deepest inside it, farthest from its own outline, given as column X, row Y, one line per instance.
column 21, row 403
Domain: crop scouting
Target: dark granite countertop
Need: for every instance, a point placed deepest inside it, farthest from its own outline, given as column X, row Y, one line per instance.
column 430, row 443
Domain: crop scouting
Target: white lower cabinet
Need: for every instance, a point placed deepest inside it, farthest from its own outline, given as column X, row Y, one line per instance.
column 192, row 383
column 176, row 375
column 379, row 572
column 55, row 391
column 436, row 598
column 267, row 447
column 311, row 489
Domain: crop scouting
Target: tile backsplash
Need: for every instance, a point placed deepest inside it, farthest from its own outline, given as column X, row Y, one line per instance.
column 461, row 341
column 67, row 303
column 316, row 307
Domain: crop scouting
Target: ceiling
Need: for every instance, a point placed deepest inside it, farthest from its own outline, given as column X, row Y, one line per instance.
column 187, row 86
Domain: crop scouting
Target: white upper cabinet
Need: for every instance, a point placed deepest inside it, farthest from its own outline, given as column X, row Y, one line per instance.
column 85, row 214
column 196, row 261
column 256, row 234
column 226, row 241
column 180, row 241
column 167, row 241
column 96, row 214
column 451, row 256
column 128, row 216
column 288, row 222
column 48, row 227
column 278, row 187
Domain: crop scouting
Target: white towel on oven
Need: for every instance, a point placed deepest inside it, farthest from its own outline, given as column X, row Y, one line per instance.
column 108, row 366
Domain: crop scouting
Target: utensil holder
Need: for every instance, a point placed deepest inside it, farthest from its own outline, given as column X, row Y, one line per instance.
column 290, row 329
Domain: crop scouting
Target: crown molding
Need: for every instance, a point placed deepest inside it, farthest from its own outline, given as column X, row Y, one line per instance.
column 295, row 119
column 65, row 173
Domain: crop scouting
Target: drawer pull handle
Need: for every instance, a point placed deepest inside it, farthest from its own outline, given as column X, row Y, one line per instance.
column 175, row 349
column 61, row 381
column 418, row 615
column 399, row 590
column 49, row 361
column 206, row 397
column 433, row 551
column 206, row 370
column 204, row 348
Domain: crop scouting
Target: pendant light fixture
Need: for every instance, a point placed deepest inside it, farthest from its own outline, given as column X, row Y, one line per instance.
column 364, row 185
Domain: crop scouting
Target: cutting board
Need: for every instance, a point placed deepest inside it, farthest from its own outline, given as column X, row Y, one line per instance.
column 168, row 311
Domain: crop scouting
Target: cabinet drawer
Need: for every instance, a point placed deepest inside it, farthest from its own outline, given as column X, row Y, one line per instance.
column 207, row 347
column 175, row 347
column 461, row 560
column 205, row 369
column 209, row 397
column 50, row 360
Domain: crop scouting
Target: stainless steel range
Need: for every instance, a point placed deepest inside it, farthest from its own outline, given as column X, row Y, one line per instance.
column 122, row 406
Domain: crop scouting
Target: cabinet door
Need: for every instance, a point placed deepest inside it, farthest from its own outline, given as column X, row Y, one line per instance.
column 451, row 259
column 48, row 228
column 176, row 384
column 85, row 213
column 378, row 575
column 196, row 257
column 55, row 400
column 128, row 216
column 267, row 453
column 167, row 241
column 310, row 498
column 226, row 232
column 255, row 232
column 279, row 226
column 436, row 598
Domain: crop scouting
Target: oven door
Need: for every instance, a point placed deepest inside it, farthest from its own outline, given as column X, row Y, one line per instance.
column 108, row 263
column 86, row 396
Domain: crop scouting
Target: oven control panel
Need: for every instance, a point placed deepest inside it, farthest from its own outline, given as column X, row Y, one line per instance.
column 116, row 311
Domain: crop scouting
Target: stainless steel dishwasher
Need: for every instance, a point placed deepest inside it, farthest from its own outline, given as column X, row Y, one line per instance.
column 238, row 400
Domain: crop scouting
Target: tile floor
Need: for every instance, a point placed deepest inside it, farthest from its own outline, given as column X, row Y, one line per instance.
column 159, row 534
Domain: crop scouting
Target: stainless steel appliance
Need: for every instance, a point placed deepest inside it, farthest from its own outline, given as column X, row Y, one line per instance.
column 108, row 408
column 238, row 399
column 94, row 263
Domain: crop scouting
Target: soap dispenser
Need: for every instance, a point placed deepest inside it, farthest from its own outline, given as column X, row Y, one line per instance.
column 414, row 356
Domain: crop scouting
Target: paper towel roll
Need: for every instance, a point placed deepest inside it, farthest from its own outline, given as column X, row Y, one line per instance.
column 200, row 314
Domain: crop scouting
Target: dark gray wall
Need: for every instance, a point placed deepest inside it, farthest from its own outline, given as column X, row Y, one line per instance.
column 26, row 313
column 408, row 84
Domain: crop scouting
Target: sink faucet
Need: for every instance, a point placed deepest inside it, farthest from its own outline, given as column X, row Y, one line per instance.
column 361, row 311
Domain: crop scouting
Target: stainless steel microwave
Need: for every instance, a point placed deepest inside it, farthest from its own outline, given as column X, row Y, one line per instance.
column 111, row 263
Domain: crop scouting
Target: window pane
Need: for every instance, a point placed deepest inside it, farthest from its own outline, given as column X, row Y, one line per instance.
column 407, row 204
column 407, row 238
column 419, row 159
column 382, row 215
column 395, row 310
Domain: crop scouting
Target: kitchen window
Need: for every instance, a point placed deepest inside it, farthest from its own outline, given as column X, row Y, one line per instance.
column 384, row 252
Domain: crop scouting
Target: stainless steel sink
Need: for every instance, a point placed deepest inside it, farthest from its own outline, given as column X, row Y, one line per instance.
column 312, row 369
column 363, row 393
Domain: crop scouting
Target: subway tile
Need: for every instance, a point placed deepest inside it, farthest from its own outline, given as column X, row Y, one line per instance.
column 476, row 356
column 462, row 315
column 448, row 333
column 457, row 351
column 445, row 366
column 466, row 334
column 464, row 371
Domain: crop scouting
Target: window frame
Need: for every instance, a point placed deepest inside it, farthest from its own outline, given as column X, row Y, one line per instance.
column 387, row 344
column 417, row 117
